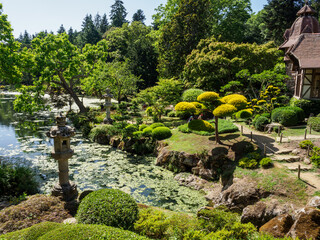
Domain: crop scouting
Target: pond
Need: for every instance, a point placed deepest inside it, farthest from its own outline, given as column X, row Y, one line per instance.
column 23, row 142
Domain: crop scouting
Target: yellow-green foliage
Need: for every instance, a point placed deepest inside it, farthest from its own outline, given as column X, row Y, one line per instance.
column 208, row 97
column 224, row 110
column 246, row 113
column 227, row 98
column 185, row 106
column 199, row 107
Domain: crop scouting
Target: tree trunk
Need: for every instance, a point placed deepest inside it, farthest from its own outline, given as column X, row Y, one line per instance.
column 217, row 129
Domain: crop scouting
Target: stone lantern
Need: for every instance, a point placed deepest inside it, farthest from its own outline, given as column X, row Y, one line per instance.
column 108, row 105
column 61, row 135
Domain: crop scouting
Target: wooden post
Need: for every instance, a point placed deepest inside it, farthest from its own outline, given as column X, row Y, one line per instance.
column 241, row 130
column 310, row 129
column 308, row 151
column 251, row 136
column 305, row 134
column 281, row 136
column 265, row 149
column 299, row 170
column 279, row 130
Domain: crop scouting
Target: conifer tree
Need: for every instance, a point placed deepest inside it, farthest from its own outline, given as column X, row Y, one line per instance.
column 118, row 14
column 139, row 16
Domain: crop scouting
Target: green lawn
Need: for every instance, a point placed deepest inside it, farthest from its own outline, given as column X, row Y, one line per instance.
column 296, row 131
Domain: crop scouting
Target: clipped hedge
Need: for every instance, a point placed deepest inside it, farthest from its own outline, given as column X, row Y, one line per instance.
column 260, row 123
column 200, row 125
column 208, row 97
column 224, row 110
column 161, row 133
column 243, row 114
column 287, row 116
column 56, row 231
column 314, row 122
column 157, row 124
column 191, row 95
column 147, row 132
column 109, row 207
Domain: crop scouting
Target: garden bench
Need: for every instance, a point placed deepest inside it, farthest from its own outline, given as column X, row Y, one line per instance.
column 270, row 126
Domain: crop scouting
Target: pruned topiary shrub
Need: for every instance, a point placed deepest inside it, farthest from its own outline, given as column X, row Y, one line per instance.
column 142, row 126
column 191, row 95
column 260, row 123
column 249, row 163
column 243, row 114
column 52, row 231
column 314, row 122
column 208, row 97
column 157, row 124
column 185, row 107
column 224, row 110
column 147, row 132
column 266, row 162
column 308, row 106
column 161, row 133
column 14, row 181
column 109, row 207
column 200, row 125
column 287, row 116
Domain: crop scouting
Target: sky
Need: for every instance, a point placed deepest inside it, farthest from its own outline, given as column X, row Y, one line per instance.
column 38, row 15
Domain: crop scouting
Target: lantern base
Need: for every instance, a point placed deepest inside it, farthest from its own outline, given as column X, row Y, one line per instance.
column 67, row 192
column 107, row 121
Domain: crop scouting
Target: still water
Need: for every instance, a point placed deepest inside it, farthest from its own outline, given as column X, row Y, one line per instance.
column 93, row 166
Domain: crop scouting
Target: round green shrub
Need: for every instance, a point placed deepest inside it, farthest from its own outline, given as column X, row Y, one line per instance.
column 287, row 116
column 101, row 133
column 161, row 133
column 157, row 124
column 305, row 144
column 266, row 162
column 109, row 207
column 147, row 132
column 138, row 134
column 142, row 126
column 267, row 115
column 308, row 106
column 243, row 114
column 224, row 110
column 200, row 125
column 314, row 122
column 172, row 114
column 185, row 107
column 191, row 95
column 260, row 123
column 208, row 97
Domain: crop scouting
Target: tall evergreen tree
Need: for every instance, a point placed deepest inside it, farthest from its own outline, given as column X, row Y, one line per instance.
column 89, row 33
column 104, row 24
column 278, row 16
column 72, row 35
column 61, row 29
column 139, row 16
column 181, row 35
column 118, row 14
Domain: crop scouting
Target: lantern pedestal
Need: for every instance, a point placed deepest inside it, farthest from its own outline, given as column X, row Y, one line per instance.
column 108, row 106
column 67, row 192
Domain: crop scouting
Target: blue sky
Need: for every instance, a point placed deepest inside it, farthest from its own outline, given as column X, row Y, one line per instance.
column 37, row 15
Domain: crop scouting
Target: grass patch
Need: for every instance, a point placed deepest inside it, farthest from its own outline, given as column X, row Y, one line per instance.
column 296, row 131
column 274, row 180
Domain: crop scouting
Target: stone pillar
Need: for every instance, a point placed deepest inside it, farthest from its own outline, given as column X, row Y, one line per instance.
column 108, row 105
column 62, row 152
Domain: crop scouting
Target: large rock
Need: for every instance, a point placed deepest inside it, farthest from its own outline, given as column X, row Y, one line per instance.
column 314, row 202
column 278, row 226
column 241, row 194
column 262, row 212
column 307, row 224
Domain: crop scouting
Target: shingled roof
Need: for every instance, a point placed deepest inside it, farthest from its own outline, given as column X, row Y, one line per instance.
column 302, row 40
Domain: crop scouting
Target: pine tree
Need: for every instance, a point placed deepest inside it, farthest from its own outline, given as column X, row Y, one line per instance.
column 61, row 29
column 118, row 14
column 89, row 33
column 104, row 24
column 139, row 16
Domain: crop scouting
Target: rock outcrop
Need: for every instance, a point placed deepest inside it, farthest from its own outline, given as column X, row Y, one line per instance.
column 278, row 226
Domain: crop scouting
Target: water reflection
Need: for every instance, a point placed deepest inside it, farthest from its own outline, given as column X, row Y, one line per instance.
column 93, row 166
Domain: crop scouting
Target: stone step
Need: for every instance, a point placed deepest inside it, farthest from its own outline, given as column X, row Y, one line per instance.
column 286, row 158
column 295, row 166
column 284, row 151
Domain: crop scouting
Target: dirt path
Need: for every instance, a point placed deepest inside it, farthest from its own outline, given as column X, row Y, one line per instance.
column 274, row 149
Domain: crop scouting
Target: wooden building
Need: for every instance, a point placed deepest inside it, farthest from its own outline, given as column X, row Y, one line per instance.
column 302, row 54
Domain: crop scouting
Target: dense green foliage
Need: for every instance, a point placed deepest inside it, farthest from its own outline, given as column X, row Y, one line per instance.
column 308, row 106
column 314, row 122
column 305, row 144
column 109, row 207
column 200, row 125
column 160, row 133
column 190, row 95
column 181, row 35
column 118, row 14
column 213, row 64
column 14, row 181
column 266, row 162
column 287, row 116
column 59, row 231
column 102, row 133
column 260, row 123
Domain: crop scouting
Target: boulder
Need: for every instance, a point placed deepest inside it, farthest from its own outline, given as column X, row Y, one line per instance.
column 262, row 212
column 241, row 194
column 314, row 202
column 307, row 224
column 278, row 226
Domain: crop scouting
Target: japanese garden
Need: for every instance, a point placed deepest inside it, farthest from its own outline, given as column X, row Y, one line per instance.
column 204, row 124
